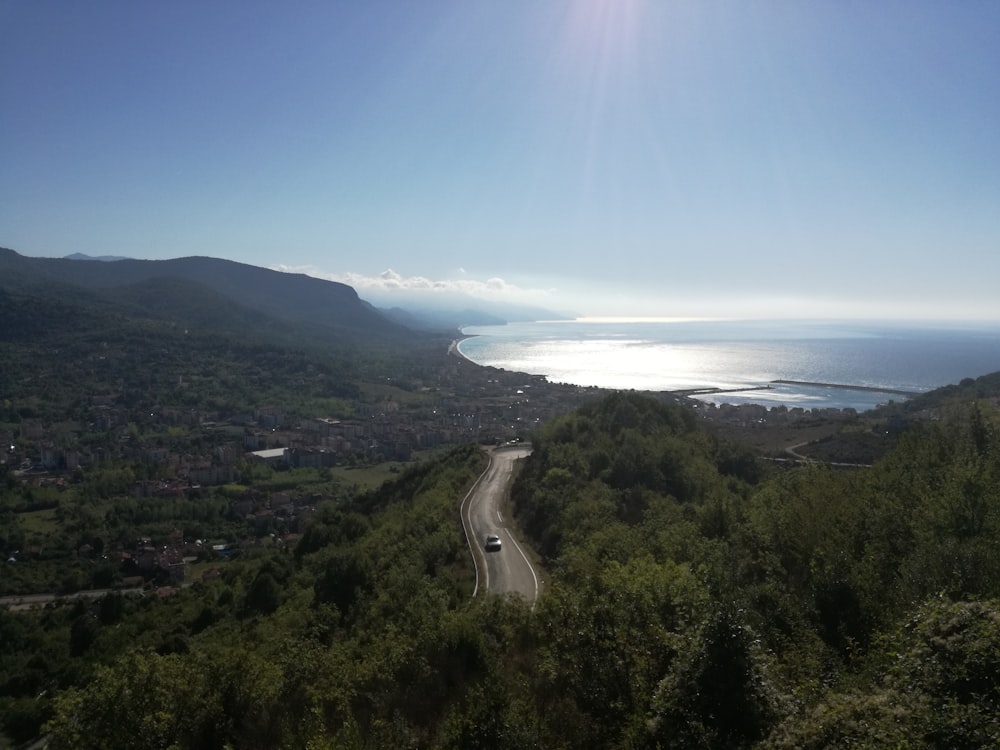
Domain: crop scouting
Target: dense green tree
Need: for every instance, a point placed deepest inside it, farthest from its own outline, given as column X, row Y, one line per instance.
column 720, row 691
column 935, row 684
column 264, row 594
column 174, row 701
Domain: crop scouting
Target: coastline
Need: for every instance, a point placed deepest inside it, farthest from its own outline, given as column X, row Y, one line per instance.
column 858, row 365
column 454, row 350
column 698, row 397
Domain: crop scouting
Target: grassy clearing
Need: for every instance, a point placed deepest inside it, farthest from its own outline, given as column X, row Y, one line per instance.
column 368, row 477
column 39, row 522
column 371, row 477
column 372, row 392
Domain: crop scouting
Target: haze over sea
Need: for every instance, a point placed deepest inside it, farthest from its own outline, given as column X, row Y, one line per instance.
column 669, row 355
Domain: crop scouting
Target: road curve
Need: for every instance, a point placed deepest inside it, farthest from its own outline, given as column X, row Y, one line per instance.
column 508, row 569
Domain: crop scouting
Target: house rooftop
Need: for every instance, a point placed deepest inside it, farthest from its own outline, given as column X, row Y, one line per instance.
column 270, row 453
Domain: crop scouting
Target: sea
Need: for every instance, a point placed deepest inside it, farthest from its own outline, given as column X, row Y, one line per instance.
column 821, row 364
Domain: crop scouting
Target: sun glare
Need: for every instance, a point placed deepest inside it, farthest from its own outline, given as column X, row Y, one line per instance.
column 603, row 22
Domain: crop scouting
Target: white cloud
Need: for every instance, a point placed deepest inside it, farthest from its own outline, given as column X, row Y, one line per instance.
column 391, row 282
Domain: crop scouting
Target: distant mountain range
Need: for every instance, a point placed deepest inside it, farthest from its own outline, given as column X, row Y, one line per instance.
column 441, row 311
column 205, row 292
column 222, row 294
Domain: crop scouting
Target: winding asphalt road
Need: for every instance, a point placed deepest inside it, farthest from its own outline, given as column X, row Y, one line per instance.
column 508, row 569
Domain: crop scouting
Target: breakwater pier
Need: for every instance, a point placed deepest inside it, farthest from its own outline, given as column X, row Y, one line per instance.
column 808, row 383
column 847, row 387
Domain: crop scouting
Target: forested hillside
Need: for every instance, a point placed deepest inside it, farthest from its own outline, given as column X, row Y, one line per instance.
column 694, row 598
column 360, row 634
column 698, row 607
column 208, row 290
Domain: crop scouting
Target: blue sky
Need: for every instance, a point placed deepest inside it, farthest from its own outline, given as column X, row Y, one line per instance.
column 609, row 157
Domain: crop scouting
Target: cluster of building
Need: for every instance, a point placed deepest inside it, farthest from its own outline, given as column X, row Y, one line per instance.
column 175, row 451
column 185, row 447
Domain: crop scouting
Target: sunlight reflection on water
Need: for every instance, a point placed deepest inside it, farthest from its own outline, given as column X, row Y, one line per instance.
column 693, row 355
